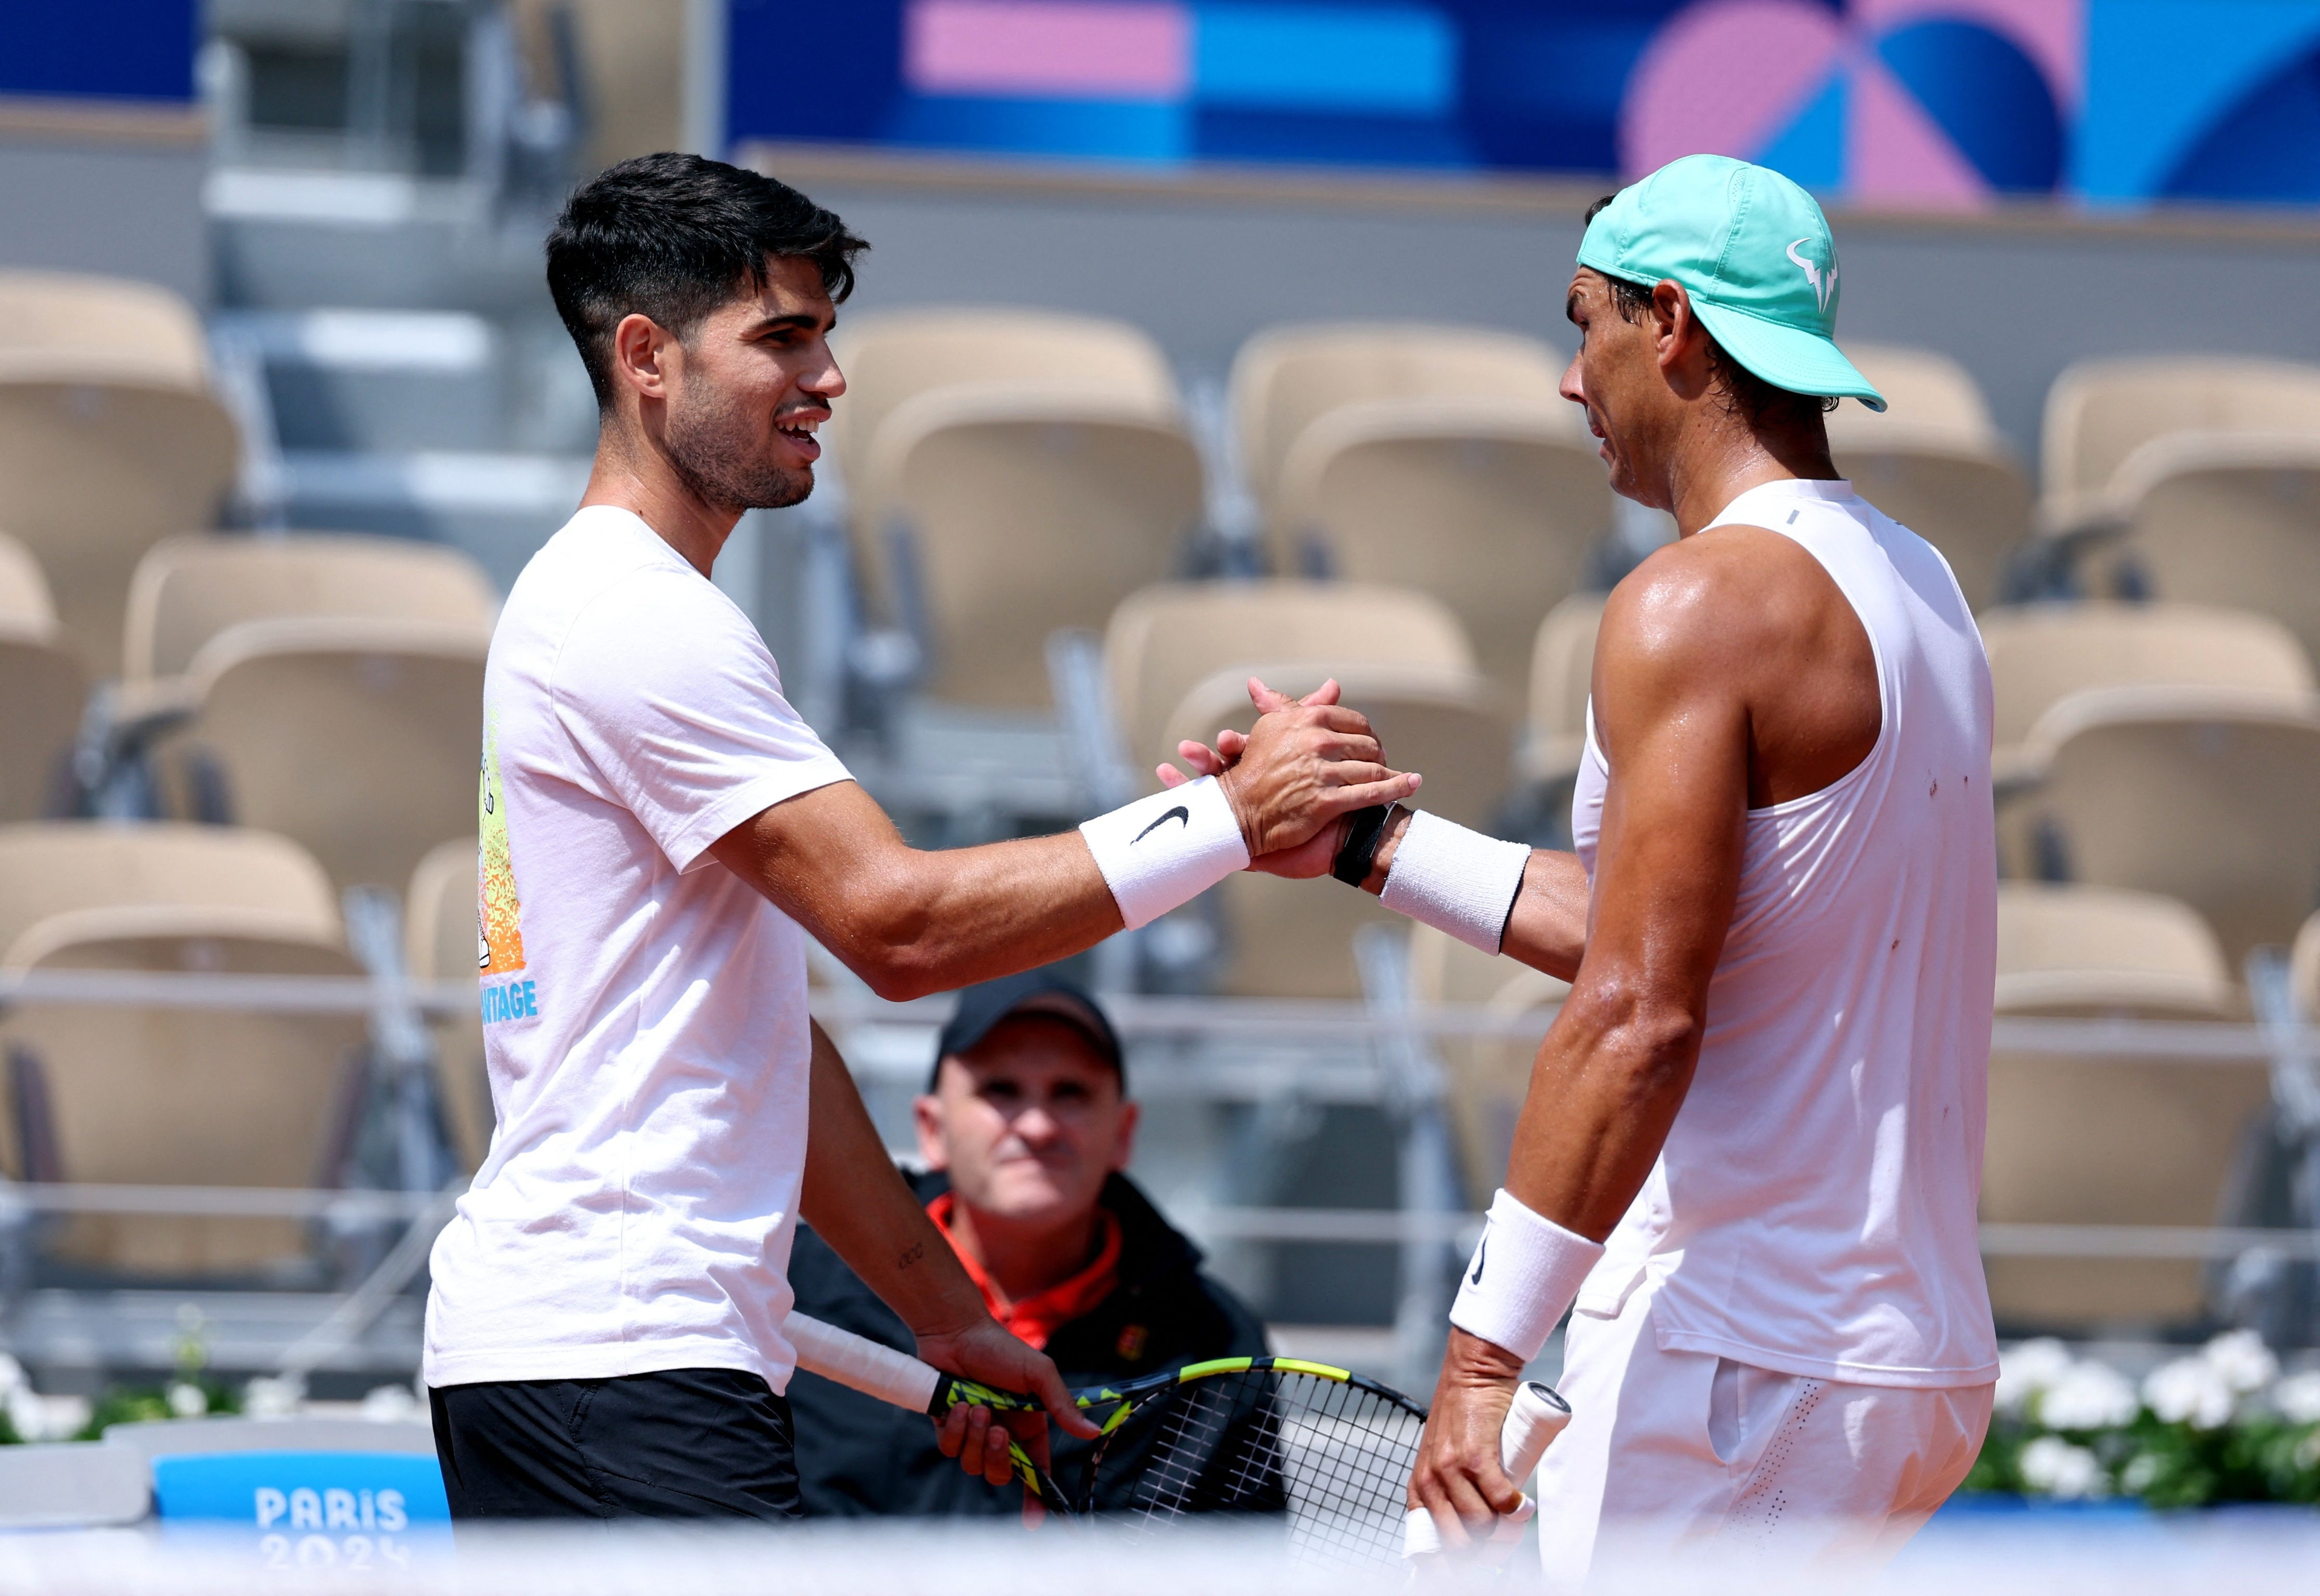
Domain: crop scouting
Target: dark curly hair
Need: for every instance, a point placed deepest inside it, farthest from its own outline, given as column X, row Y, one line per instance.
column 1746, row 393
column 673, row 237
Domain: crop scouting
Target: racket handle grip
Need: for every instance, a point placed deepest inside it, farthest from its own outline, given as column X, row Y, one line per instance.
column 862, row 1365
column 1537, row 1414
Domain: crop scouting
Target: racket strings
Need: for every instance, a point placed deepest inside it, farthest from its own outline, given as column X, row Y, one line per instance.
column 1331, row 1456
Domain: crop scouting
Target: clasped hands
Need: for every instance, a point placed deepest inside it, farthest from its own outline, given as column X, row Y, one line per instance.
column 1294, row 777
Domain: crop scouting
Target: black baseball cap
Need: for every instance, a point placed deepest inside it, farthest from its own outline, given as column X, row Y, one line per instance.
column 1046, row 993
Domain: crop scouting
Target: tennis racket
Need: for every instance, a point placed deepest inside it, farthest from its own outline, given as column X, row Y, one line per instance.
column 1325, row 1449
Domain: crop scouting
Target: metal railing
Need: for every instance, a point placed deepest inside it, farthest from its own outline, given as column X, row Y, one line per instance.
column 1378, row 1053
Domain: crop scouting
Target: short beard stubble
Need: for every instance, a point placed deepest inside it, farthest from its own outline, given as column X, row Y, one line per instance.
column 712, row 444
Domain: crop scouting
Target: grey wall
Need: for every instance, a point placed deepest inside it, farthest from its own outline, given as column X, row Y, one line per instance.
column 2016, row 300
column 126, row 209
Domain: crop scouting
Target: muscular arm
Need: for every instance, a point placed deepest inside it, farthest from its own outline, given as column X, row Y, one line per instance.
column 911, row 922
column 1618, row 1059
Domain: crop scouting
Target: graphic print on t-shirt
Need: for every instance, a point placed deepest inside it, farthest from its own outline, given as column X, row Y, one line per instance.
column 499, row 932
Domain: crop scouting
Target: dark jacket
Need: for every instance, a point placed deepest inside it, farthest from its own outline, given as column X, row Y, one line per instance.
column 858, row 1456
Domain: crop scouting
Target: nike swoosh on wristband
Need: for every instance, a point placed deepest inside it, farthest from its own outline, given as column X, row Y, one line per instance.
column 1482, row 1250
column 1178, row 813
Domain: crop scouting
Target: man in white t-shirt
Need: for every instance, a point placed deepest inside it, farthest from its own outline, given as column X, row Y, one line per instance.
column 660, row 832
column 1749, row 1158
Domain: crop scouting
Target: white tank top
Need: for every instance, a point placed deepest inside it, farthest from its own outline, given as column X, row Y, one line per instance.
column 1813, row 1211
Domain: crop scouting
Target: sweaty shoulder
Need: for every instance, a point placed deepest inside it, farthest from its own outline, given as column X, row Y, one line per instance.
column 1718, row 597
column 1741, row 624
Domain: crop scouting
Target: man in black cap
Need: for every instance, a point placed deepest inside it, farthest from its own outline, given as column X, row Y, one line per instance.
column 1025, row 1128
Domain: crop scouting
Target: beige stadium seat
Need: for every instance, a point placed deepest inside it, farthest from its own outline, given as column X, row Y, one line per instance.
column 1562, row 668
column 1435, row 457
column 1038, row 466
column 2203, row 472
column 357, row 737
column 1934, row 462
column 440, row 944
column 160, row 1096
column 187, row 590
column 1487, row 1075
column 334, row 687
column 41, row 688
column 2109, row 1139
column 2041, row 654
column 1401, row 659
column 2207, row 795
column 110, row 439
column 1165, row 638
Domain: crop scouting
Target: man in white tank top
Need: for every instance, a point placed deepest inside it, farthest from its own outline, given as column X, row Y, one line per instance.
column 1749, row 1158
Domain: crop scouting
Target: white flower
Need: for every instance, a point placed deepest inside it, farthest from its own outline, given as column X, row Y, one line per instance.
column 2190, row 1391
column 2051, row 1466
column 388, row 1404
column 186, row 1400
column 2244, row 1360
column 266, row 1396
column 12, row 1377
column 2027, row 1368
column 2088, row 1396
column 2297, row 1398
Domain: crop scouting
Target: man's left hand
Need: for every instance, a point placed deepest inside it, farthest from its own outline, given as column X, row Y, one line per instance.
column 984, row 1352
column 1300, row 861
column 1458, row 1477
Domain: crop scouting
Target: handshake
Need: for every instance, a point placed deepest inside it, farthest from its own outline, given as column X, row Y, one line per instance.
column 1298, row 778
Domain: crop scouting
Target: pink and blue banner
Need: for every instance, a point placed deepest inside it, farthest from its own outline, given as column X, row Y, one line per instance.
column 1938, row 103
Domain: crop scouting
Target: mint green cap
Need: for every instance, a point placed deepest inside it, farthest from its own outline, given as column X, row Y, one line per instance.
column 1756, row 254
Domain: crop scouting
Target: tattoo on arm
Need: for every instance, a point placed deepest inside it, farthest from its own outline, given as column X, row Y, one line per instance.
column 910, row 1254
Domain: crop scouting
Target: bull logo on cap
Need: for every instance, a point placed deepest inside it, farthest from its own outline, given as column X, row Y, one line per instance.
column 1823, row 291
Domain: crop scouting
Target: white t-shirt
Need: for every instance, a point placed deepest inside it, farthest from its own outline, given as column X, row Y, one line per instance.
column 644, row 1009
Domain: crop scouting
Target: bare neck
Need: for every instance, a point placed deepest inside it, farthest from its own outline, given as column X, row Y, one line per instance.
column 1023, row 1260
column 633, row 472
column 1720, row 457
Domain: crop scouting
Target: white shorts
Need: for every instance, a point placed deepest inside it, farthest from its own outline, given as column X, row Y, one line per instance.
column 1669, row 1451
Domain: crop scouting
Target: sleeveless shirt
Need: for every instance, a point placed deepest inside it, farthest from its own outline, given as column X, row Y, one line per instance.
column 1813, row 1209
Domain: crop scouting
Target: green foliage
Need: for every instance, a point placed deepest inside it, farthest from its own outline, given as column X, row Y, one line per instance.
column 8, row 1436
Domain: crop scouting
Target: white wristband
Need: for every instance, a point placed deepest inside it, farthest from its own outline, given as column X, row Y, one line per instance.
column 1455, row 880
column 1162, row 851
column 1523, row 1275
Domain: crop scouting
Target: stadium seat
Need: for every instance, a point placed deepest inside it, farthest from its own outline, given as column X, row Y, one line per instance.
column 1010, row 474
column 187, row 590
column 110, row 439
column 2207, row 795
column 41, row 688
column 1165, row 638
column 440, row 944
column 1562, row 666
column 1401, row 660
column 1442, row 458
column 2125, row 1138
column 1934, row 462
column 2041, row 654
column 120, row 1093
column 1488, row 1074
column 333, row 686
column 2192, row 479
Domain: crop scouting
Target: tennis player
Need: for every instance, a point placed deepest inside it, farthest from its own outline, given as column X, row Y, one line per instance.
column 660, row 832
column 1750, row 1155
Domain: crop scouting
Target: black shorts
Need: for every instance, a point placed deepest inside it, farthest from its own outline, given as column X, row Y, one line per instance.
column 676, row 1444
